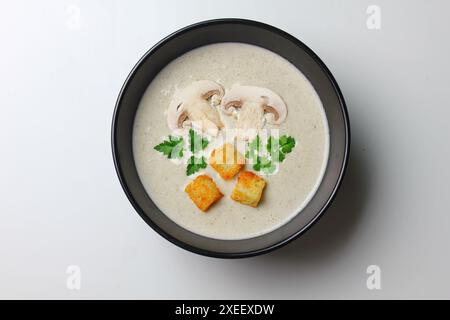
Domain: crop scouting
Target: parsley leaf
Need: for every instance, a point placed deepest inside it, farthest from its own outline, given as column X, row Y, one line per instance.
column 196, row 141
column 278, row 148
column 273, row 147
column 287, row 143
column 265, row 165
column 195, row 164
column 172, row 148
column 253, row 149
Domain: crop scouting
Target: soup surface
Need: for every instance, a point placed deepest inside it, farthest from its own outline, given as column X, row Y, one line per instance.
column 287, row 190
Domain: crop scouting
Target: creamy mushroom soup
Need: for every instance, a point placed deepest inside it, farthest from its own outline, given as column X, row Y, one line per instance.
column 230, row 101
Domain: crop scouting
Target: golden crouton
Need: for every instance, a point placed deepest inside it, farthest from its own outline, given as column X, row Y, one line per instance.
column 248, row 189
column 227, row 161
column 203, row 192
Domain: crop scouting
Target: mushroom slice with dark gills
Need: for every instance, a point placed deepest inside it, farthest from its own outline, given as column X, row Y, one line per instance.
column 191, row 103
column 252, row 103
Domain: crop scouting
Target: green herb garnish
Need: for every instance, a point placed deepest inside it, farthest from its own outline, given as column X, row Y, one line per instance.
column 253, row 149
column 287, row 143
column 265, row 165
column 277, row 148
column 172, row 148
column 265, row 162
column 195, row 164
column 196, row 142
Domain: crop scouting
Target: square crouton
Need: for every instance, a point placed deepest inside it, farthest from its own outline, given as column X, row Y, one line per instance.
column 203, row 192
column 248, row 189
column 227, row 161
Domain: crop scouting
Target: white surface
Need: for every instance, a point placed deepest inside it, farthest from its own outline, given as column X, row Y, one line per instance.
column 62, row 204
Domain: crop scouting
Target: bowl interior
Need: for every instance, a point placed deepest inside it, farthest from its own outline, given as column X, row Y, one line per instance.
column 229, row 30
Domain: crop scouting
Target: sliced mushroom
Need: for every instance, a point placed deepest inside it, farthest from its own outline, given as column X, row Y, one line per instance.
column 192, row 103
column 253, row 103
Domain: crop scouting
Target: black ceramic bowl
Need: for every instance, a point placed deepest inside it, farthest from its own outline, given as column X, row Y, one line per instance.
column 230, row 30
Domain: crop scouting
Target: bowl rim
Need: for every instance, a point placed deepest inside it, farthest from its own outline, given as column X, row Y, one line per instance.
column 326, row 205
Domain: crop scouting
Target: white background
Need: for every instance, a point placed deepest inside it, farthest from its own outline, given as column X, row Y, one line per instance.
column 61, row 203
